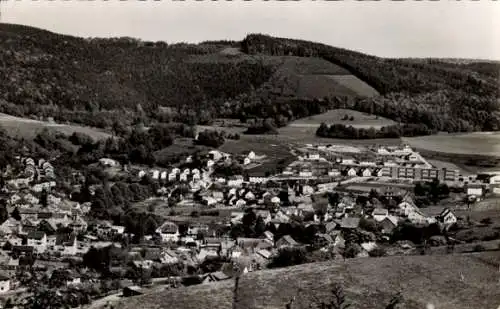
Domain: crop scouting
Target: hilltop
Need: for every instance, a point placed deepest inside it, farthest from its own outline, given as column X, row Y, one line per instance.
column 97, row 81
column 369, row 284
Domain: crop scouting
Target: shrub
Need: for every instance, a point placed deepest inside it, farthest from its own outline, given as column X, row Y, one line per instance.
column 478, row 248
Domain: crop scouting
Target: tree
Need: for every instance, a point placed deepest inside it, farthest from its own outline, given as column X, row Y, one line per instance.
column 289, row 257
column 44, row 196
column 16, row 214
column 337, row 299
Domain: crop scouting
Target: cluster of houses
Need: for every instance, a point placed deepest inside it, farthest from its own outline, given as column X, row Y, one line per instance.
column 390, row 162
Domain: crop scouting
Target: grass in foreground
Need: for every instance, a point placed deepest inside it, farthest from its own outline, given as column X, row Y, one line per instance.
column 447, row 281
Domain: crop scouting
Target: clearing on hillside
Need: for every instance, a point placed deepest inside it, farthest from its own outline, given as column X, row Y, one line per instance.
column 337, row 116
column 29, row 128
column 355, row 84
column 447, row 281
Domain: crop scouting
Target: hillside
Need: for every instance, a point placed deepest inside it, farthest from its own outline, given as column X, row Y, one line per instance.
column 93, row 81
column 369, row 284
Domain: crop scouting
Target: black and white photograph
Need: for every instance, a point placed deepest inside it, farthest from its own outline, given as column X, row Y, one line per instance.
column 249, row 154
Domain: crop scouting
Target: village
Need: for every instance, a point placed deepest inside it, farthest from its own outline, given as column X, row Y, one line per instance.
column 218, row 209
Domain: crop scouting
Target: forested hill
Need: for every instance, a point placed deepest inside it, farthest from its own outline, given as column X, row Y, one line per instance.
column 444, row 95
column 98, row 81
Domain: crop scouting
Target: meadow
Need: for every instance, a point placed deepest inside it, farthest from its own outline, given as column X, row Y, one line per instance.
column 456, row 281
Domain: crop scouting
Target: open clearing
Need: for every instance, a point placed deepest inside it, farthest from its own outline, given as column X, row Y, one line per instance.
column 368, row 284
column 29, row 128
column 361, row 120
column 355, row 84
column 477, row 143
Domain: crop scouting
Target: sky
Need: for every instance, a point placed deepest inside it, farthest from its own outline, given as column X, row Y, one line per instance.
column 446, row 28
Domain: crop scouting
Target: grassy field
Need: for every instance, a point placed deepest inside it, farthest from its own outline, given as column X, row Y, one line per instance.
column 361, row 120
column 447, row 281
column 355, row 84
column 487, row 144
column 29, row 128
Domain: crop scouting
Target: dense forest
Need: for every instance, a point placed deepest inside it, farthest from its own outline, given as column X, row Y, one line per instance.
column 99, row 82
column 448, row 97
column 350, row 132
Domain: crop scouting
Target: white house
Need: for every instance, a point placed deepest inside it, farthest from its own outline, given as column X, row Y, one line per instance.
column 66, row 245
column 210, row 163
column 172, row 177
column 4, row 284
column 251, row 155
column 379, row 214
column 107, row 162
column 367, row 172
column 305, row 173
column 235, row 181
column 37, row 240
column 163, row 175
column 249, row 196
column 141, row 174
column 169, row 232
column 495, row 179
column 475, row 190
column 183, row 177
column 447, row 217
column 155, row 174
column 246, row 161
column 352, row 172
column 333, row 173
column 215, row 155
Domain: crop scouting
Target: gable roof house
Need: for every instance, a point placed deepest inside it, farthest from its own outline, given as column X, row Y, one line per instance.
column 168, row 231
column 447, row 217
column 286, row 241
column 380, row 214
column 388, row 224
column 349, row 223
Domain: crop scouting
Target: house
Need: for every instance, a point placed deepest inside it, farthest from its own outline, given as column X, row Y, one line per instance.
column 286, row 241
column 168, row 257
column 10, row 226
column 208, row 200
column 475, row 190
column 380, row 214
column 215, row 277
column 65, row 244
column 388, row 224
column 251, row 155
column 269, row 235
column 155, row 174
column 366, row 172
column 352, row 172
column 37, row 240
column 265, row 215
column 169, row 232
column 249, row 196
column 266, row 254
column 417, row 217
column 4, row 284
column 323, row 240
column 237, row 217
column 349, row 223
column 235, row 181
column 218, row 195
column 334, row 173
column 447, row 217
column 133, row 290
column 107, row 162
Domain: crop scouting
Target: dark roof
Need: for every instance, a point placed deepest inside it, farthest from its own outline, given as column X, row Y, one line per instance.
column 4, row 278
column 38, row 235
column 65, row 239
column 349, row 223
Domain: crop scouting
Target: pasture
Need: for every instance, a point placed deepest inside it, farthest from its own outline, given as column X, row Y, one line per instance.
column 477, row 143
column 456, row 281
column 29, row 128
column 336, row 116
